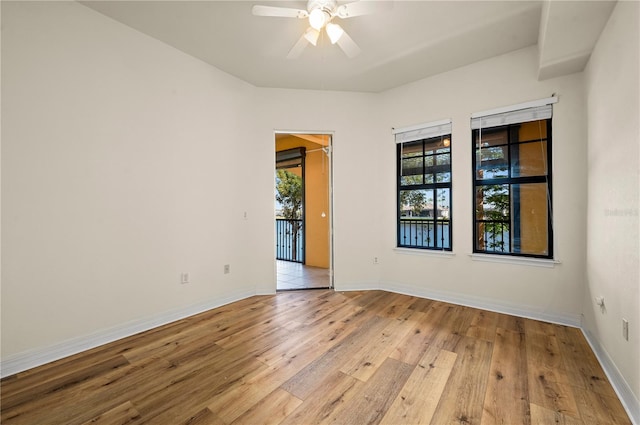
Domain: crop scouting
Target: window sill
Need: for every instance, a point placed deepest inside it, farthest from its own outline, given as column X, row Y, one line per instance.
column 521, row 261
column 425, row 252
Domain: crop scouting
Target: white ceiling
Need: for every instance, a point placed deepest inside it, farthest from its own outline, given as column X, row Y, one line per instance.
column 411, row 41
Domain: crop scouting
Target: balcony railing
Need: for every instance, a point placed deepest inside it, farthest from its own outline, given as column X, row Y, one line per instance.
column 495, row 235
column 289, row 240
column 424, row 233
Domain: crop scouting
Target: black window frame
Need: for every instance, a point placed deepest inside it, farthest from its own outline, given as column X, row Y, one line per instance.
column 511, row 180
column 438, row 224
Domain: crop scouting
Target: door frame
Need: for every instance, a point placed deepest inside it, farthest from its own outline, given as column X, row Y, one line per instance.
column 329, row 154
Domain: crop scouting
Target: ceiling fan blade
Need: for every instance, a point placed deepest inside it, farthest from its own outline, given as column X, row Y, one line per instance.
column 298, row 48
column 312, row 35
column 280, row 12
column 363, row 7
column 348, row 46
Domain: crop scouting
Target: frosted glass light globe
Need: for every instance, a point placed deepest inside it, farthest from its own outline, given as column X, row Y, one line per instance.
column 317, row 19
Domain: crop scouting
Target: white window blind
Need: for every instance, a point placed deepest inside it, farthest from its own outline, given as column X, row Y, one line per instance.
column 422, row 131
column 524, row 112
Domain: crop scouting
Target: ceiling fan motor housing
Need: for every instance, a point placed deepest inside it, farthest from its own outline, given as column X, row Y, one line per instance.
column 325, row 5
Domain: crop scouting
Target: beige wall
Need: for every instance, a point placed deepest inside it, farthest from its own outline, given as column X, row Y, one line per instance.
column 119, row 172
column 553, row 293
column 352, row 120
column 613, row 248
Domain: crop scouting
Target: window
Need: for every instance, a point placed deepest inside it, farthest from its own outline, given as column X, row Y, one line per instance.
column 424, row 186
column 512, row 182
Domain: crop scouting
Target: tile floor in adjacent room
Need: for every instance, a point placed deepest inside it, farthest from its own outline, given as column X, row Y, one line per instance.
column 292, row 275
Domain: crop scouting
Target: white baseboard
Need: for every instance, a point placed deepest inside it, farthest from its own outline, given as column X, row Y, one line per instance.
column 529, row 312
column 356, row 286
column 37, row 357
column 620, row 385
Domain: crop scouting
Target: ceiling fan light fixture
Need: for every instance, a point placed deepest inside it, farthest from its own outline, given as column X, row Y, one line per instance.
column 334, row 31
column 318, row 18
column 311, row 35
column 320, row 14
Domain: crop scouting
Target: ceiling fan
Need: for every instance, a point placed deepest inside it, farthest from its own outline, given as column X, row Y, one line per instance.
column 321, row 14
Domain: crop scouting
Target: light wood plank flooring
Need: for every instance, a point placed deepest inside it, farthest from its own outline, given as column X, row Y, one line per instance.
column 307, row 357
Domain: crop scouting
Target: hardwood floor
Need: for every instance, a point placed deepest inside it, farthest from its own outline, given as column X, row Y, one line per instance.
column 320, row 356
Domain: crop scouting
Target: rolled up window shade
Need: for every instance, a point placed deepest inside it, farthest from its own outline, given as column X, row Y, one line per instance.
column 524, row 112
column 422, row 131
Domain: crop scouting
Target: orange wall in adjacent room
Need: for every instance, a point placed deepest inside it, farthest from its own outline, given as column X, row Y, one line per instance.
column 317, row 202
column 316, row 198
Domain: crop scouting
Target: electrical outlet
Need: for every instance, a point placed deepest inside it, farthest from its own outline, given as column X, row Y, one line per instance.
column 625, row 329
column 227, row 269
column 184, row 278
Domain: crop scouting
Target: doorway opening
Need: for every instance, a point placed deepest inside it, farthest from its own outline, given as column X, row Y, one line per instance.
column 303, row 211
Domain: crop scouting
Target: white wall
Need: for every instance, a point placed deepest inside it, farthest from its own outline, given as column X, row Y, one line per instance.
column 353, row 120
column 551, row 293
column 127, row 162
column 613, row 268
column 124, row 163
column 365, row 192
